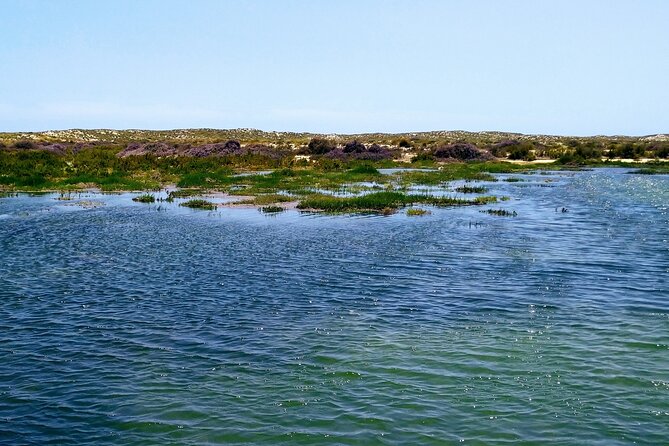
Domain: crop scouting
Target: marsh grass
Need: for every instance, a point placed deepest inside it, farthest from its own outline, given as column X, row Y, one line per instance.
column 471, row 189
column 267, row 199
column 655, row 170
column 417, row 212
column 271, row 209
column 480, row 171
column 500, row 212
column 111, row 182
column 219, row 177
column 199, row 204
column 365, row 169
column 377, row 202
column 145, row 198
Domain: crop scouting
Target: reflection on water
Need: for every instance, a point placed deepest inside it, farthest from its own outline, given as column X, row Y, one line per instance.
column 131, row 323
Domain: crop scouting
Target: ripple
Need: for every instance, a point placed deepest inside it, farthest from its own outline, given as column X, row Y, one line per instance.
column 121, row 324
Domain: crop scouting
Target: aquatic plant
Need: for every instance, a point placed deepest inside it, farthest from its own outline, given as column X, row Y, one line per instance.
column 271, row 209
column 365, row 169
column 270, row 199
column 199, row 204
column 415, row 212
column 354, row 146
column 184, row 193
column 485, row 199
column 500, row 212
column 471, row 189
column 656, row 170
column 145, row 198
column 375, row 202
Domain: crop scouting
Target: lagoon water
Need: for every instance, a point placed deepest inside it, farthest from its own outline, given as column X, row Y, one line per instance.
column 138, row 324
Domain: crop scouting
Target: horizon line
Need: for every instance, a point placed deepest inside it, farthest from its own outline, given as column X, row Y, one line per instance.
column 332, row 133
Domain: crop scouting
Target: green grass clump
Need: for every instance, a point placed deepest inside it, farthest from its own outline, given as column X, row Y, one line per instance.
column 199, row 204
column 485, row 199
column 471, row 189
column 365, row 169
column 266, row 199
column 183, row 193
column 109, row 182
column 500, row 212
column 415, row 212
column 219, row 177
column 513, row 180
column 271, row 209
column 145, row 198
column 376, row 202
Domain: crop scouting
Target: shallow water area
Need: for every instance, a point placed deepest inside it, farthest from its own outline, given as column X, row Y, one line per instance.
column 132, row 323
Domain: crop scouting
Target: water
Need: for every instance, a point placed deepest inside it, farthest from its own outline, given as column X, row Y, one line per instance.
column 141, row 324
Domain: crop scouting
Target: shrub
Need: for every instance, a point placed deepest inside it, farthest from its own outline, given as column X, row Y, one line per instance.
column 423, row 156
column 231, row 147
column 663, row 152
column 501, row 149
column 461, row 151
column 354, row 147
column 320, row 146
column 25, row 145
column 521, row 152
column 358, row 151
column 404, row 144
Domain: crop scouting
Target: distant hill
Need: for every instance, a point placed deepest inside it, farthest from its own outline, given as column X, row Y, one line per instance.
column 197, row 136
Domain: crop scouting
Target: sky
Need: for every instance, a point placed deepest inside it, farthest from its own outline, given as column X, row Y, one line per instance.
column 551, row 67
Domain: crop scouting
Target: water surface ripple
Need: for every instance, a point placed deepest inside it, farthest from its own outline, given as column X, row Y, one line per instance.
column 153, row 324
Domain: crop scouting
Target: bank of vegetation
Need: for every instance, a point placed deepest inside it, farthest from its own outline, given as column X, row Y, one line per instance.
column 301, row 166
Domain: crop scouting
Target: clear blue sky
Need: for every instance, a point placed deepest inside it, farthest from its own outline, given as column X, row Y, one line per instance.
column 560, row 67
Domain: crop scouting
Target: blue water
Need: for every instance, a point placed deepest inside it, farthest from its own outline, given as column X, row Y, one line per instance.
column 138, row 324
